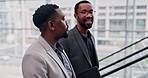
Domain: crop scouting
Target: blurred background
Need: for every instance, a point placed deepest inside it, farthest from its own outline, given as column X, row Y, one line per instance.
column 117, row 25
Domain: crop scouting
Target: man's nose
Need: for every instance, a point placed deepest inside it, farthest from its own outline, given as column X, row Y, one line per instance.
column 67, row 26
column 89, row 15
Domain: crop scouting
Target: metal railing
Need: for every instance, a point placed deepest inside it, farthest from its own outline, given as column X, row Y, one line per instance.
column 123, row 49
column 141, row 50
column 126, row 65
column 124, row 58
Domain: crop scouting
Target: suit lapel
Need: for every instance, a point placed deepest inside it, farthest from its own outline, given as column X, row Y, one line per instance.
column 81, row 43
column 52, row 54
column 93, row 41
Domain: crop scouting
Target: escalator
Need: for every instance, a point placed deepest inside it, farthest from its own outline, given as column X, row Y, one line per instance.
column 138, row 57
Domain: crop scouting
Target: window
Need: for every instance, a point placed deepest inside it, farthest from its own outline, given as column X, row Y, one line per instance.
column 101, row 27
column 2, row 4
column 101, row 33
column 117, row 34
column 141, row 7
column 119, row 7
column 141, row 13
column 140, row 24
column 117, row 24
column 119, row 14
column 101, row 14
column 101, row 22
column 102, row 8
column 140, row 34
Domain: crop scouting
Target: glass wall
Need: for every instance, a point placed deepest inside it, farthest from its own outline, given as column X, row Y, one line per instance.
column 117, row 24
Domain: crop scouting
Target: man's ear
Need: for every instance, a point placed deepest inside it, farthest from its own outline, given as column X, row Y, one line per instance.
column 75, row 15
column 51, row 25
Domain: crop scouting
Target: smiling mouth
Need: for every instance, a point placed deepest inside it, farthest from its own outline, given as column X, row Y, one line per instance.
column 88, row 21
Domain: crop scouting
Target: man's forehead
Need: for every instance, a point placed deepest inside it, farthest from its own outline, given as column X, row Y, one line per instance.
column 85, row 6
column 60, row 12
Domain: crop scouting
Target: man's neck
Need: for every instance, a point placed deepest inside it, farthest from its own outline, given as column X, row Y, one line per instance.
column 82, row 30
column 50, row 39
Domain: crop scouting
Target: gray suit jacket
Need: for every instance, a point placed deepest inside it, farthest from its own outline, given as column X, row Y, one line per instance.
column 77, row 51
column 41, row 61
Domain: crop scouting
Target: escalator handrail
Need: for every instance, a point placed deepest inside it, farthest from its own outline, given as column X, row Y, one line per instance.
column 123, row 49
column 126, row 65
column 124, row 58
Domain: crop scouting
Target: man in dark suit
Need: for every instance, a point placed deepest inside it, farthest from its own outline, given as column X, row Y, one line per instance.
column 79, row 45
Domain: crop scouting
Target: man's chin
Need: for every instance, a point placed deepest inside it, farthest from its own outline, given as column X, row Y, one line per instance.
column 88, row 26
column 65, row 35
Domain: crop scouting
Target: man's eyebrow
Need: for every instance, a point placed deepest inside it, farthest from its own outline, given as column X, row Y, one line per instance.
column 86, row 10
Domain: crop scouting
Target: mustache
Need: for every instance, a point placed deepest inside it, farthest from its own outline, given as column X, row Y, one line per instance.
column 87, row 19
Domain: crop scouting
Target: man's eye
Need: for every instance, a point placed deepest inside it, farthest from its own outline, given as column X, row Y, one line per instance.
column 83, row 12
column 91, row 12
column 63, row 18
column 87, row 12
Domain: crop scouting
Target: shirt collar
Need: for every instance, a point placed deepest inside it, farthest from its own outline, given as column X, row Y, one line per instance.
column 88, row 34
column 58, row 46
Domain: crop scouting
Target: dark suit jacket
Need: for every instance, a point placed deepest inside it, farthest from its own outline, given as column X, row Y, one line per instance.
column 77, row 51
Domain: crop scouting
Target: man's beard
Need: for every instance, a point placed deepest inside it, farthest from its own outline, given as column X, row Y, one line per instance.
column 66, row 32
column 82, row 23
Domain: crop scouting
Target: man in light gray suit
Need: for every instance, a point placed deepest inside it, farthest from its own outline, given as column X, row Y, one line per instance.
column 79, row 45
column 45, row 58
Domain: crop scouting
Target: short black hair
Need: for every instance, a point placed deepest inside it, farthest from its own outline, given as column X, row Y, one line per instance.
column 77, row 5
column 43, row 14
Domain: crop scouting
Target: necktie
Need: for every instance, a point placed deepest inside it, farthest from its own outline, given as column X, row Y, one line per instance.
column 64, row 61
